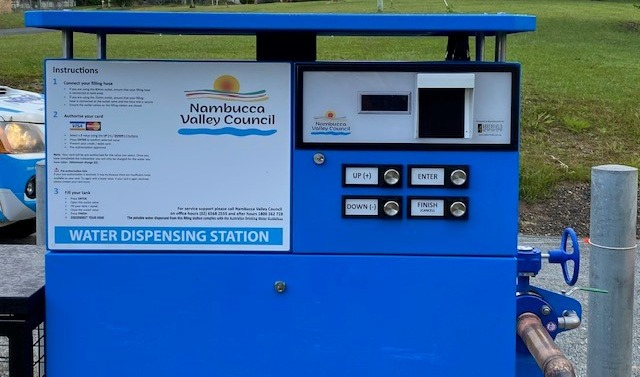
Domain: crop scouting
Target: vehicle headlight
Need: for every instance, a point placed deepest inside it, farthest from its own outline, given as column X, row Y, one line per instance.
column 30, row 189
column 17, row 137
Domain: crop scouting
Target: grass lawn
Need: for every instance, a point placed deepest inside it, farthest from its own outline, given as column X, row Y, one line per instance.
column 581, row 70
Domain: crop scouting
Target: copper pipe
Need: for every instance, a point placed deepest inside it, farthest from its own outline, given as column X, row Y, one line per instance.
column 549, row 357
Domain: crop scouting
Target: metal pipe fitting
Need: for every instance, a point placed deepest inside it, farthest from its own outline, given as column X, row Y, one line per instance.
column 549, row 357
column 569, row 320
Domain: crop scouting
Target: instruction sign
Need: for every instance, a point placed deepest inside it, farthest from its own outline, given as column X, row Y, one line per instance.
column 159, row 155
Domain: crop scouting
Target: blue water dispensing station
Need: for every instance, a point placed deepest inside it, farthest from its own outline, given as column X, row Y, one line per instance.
column 291, row 217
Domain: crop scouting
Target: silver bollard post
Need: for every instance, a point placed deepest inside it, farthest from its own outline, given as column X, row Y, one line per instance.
column 41, row 206
column 614, row 192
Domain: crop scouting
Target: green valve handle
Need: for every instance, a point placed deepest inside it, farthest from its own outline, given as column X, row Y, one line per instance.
column 586, row 289
column 596, row 290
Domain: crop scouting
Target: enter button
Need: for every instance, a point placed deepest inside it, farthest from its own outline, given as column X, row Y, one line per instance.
column 427, row 176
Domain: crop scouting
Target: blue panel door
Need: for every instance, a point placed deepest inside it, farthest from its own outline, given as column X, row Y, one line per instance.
column 219, row 315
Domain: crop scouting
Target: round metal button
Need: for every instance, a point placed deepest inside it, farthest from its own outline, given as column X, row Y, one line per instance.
column 391, row 208
column 458, row 209
column 391, row 176
column 458, row 177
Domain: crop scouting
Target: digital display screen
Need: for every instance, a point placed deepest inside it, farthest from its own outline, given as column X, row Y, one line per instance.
column 384, row 103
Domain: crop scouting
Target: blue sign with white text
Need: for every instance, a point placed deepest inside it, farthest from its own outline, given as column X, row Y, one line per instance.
column 165, row 236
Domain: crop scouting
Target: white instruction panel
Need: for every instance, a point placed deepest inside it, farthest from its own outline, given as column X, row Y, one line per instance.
column 168, row 155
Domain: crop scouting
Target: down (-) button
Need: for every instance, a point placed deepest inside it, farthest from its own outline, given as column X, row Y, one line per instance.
column 391, row 208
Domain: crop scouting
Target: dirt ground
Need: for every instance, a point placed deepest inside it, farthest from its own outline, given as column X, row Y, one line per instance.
column 569, row 205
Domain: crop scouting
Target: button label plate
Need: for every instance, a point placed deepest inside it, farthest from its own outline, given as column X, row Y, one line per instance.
column 361, row 175
column 436, row 207
column 427, row 176
column 427, row 208
column 361, row 207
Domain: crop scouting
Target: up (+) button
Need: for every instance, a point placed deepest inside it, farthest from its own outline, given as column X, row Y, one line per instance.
column 360, row 176
column 389, row 176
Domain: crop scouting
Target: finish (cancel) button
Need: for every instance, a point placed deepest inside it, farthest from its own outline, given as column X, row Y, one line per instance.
column 427, row 208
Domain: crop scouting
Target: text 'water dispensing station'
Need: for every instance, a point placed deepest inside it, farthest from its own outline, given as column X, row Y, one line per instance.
column 289, row 217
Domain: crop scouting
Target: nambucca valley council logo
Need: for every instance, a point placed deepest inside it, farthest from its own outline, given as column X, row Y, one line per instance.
column 330, row 124
column 227, row 118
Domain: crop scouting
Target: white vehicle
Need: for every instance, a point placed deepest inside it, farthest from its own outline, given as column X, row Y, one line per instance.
column 21, row 146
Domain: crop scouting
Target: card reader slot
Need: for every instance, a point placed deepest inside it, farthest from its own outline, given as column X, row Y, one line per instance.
column 441, row 112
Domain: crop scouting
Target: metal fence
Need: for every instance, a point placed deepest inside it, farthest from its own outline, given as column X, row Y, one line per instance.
column 38, row 354
column 42, row 4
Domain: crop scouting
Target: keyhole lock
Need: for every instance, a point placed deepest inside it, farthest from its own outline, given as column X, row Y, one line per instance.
column 280, row 286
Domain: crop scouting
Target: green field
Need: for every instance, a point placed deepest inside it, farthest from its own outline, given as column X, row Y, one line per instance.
column 581, row 70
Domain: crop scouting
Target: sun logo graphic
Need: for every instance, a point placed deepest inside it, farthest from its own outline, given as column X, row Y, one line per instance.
column 330, row 115
column 227, row 88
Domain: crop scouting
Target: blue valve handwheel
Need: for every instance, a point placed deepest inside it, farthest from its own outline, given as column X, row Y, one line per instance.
column 561, row 256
